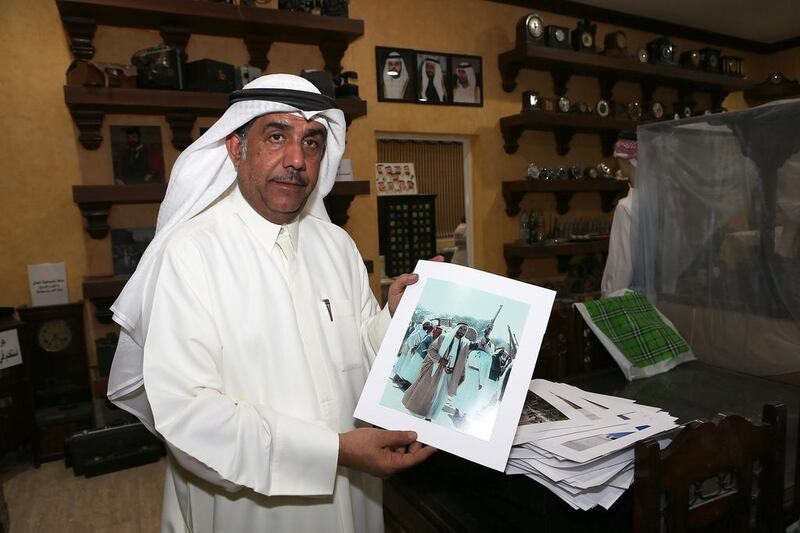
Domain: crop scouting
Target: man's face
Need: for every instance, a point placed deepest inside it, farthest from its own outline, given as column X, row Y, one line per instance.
column 381, row 186
column 430, row 70
column 380, row 170
column 397, row 170
column 402, row 185
column 462, row 330
column 284, row 152
column 133, row 139
column 394, row 67
column 406, row 170
column 410, row 184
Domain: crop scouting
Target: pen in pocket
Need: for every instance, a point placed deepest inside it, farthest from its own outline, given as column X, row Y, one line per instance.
column 328, row 305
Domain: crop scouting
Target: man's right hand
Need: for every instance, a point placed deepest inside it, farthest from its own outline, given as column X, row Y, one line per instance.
column 381, row 452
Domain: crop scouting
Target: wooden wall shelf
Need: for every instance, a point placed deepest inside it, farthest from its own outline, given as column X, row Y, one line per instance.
column 563, row 126
column 95, row 201
column 89, row 105
column 563, row 64
column 609, row 190
column 515, row 253
column 102, row 291
column 178, row 19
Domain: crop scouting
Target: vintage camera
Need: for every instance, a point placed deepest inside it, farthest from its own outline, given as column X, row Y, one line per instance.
column 531, row 101
column 245, row 74
column 530, row 30
column 603, row 171
column 580, row 107
column 731, row 65
column 691, row 59
column 305, row 6
column 575, row 172
column 209, row 75
column 159, row 67
column 661, row 51
column 583, row 37
column 557, row 37
column 616, row 44
column 335, row 8
column 344, row 87
column 711, row 59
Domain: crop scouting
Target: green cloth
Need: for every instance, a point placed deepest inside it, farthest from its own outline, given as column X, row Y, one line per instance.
column 635, row 327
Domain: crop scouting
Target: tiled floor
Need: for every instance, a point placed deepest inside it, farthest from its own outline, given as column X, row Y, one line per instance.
column 52, row 499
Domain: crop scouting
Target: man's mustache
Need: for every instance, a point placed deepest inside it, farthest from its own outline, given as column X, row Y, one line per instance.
column 292, row 178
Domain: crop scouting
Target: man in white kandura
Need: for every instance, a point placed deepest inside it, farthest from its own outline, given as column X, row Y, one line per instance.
column 249, row 327
column 395, row 77
column 431, row 84
column 466, row 90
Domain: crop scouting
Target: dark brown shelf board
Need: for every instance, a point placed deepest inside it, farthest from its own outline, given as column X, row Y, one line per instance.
column 614, row 68
column 609, row 189
column 564, row 126
column 516, row 253
column 210, row 18
column 95, row 201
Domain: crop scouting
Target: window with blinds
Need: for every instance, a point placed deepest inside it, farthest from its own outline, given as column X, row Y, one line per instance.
column 440, row 170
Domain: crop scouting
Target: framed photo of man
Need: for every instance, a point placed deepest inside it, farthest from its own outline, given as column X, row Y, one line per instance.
column 137, row 154
column 433, row 79
column 467, row 80
column 396, row 73
column 395, row 179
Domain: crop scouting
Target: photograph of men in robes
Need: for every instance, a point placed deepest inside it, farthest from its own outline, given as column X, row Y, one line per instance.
column 395, row 74
column 137, row 154
column 466, row 80
column 249, row 327
column 432, row 77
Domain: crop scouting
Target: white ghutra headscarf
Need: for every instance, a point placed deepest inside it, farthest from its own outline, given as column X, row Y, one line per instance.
column 201, row 176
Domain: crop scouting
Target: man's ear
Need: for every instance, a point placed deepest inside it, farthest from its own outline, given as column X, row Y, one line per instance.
column 234, row 145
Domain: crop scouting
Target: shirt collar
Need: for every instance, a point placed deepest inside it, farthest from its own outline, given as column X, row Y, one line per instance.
column 264, row 230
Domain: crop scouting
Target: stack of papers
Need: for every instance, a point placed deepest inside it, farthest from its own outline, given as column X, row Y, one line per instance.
column 579, row 444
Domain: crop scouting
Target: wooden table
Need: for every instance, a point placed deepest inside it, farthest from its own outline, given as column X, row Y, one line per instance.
column 450, row 494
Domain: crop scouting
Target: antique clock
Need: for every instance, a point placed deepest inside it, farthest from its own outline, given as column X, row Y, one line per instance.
column 603, row 108
column 575, row 172
column 691, row 59
column 682, row 109
column 710, row 58
column 563, row 105
column 583, row 37
column 590, row 173
column 661, row 51
column 634, row 110
column 530, row 30
column 557, row 37
column 731, row 65
column 531, row 101
column 654, row 110
column 642, row 55
column 580, row 107
column 616, row 43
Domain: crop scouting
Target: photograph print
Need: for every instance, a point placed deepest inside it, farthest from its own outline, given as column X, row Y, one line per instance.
column 467, row 80
column 396, row 69
column 137, row 154
column 395, row 178
column 455, row 359
column 433, row 78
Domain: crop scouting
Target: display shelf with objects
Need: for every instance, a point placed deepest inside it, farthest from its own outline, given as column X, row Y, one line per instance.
column 775, row 87
column 610, row 69
column 516, row 253
column 564, row 126
column 95, row 201
column 177, row 20
column 89, row 105
column 610, row 189
column 16, row 407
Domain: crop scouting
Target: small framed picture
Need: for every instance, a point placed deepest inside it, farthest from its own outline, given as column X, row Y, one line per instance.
column 467, row 80
column 396, row 68
column 395, row 178
column 137, row 154
column 433, row 78
column 127, row 247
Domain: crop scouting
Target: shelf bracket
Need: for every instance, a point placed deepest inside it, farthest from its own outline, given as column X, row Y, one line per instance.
column 607, row 87
column 562, row 201
column 513, row 199
column 181, row 125
column 81, row 32
column 258, row 47
column 607, row 200
column 514, row 264
column 332, row 53
column 560, row 78
column 563, row 137
column 508, row 72
column 337, row 207
column 511, row 139
column 177, row 37
column 89, row 123
column 563, row 262
column 96, row 215
column 607, row 140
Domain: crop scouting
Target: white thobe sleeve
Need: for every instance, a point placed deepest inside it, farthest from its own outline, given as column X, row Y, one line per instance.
column 618, row 272
column 219, row 438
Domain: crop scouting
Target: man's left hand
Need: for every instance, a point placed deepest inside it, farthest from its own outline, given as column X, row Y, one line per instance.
column 398, row 286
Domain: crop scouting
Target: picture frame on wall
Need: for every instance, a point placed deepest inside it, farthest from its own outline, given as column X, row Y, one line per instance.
column 433, row 78
column 395, row 179
column 466, row 80
column 137, row 154
column 396, row 74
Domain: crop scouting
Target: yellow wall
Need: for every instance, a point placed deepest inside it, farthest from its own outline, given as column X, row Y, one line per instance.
column 42, row 158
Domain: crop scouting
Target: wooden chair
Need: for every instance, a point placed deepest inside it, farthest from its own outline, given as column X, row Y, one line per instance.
column 723, row 453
